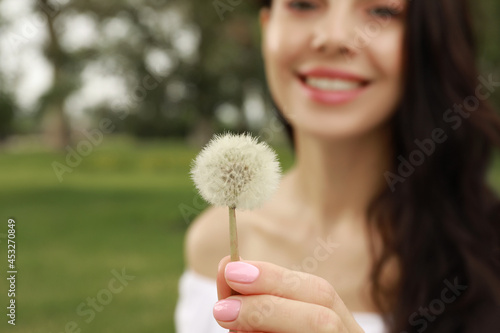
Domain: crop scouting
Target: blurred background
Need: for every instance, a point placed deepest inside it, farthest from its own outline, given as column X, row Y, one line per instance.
column 103, row 105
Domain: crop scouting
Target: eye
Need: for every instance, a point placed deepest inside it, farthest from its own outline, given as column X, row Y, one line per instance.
column 385, row 11
column 301, row 5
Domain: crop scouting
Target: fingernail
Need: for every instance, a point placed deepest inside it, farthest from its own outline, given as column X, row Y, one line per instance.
column 238, row 271
column 227, row 309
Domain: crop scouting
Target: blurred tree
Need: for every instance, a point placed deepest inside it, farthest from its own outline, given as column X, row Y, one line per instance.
column 7, row 108
column 177, row 61
column 129, row 43
column 56, row 125
column 228, row 57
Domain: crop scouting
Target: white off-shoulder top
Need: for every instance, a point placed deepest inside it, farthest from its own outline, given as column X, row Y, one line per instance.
column 198, row 294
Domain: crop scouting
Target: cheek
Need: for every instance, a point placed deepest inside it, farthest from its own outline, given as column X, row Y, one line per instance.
column 282, row 56
column 386, row 58
column 388, row 54
column 281, row 48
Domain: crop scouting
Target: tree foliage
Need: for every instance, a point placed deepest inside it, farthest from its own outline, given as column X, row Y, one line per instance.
column 171, row 88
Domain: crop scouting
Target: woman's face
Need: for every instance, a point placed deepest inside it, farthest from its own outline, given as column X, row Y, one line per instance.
column 334, row 67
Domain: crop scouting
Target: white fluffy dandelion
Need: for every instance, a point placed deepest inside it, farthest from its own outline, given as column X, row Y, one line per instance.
column 236, row 171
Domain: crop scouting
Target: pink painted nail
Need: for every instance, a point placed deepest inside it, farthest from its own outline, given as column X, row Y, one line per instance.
column 227, row 309
column 238, row 271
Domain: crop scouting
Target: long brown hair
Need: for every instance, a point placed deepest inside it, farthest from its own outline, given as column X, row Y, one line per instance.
column 439, row 218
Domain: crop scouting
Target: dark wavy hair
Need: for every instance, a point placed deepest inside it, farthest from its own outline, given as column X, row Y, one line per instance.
column 442, row 222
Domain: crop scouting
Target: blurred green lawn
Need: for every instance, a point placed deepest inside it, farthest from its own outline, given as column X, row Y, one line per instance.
column 120, row 208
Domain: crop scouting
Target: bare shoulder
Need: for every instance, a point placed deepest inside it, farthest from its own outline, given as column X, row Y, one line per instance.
column 207, row 238
column 207, row 241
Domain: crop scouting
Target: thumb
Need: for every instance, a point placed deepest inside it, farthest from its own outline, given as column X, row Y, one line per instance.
column 223, row 289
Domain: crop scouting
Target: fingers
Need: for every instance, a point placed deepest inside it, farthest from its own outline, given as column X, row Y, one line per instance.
column 269, row 313
column 253, row 277
column 223, row 289
column 261, row 278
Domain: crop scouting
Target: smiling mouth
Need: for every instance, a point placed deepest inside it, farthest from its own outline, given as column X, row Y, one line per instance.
column 334, row 89
column 332, row 84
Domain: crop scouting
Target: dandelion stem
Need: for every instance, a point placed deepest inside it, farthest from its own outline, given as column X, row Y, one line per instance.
column 233, row 235
column 233, row 240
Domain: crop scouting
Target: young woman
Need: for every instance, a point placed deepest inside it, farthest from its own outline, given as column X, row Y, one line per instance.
column 386, row 222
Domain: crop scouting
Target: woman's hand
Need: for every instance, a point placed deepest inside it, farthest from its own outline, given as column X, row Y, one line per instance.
column 279, row 300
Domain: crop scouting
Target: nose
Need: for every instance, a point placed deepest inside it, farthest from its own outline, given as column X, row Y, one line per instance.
column 333, row 31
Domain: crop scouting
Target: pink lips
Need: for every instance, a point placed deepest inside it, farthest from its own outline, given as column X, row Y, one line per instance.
column 332, row 97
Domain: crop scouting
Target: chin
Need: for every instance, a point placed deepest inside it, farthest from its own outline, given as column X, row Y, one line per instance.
column 339, row 128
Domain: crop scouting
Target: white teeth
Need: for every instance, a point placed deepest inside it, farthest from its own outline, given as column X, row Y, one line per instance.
column 332, row 84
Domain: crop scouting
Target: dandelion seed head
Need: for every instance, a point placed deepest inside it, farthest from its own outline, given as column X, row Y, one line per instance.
column 236, row 171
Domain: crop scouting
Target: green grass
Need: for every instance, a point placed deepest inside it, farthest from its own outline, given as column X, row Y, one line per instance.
column 120, row 208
